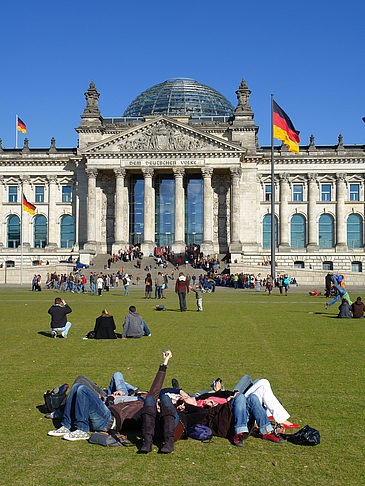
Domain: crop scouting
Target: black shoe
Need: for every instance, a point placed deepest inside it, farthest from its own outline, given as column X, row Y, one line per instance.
column 175, row 383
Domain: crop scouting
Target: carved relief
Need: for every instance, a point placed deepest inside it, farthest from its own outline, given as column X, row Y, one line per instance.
column 163, row 138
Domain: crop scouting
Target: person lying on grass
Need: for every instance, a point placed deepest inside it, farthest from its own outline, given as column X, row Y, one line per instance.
column 86, row 410
column 262, row 389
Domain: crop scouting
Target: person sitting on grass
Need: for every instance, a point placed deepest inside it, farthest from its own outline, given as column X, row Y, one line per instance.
column 345, row 310
column 358, row 309
column 105, row 326
column 59, row 321
column 134, row 326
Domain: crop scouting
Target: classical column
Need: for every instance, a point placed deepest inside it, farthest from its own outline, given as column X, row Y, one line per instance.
column 119, row 210
column 76, row 204
column 149, row 213
column 179, row 242
column 284, row 213
column 312, row 214
column 341, row 239
column 235, row 244
column 53, row 234
column 27, row 237
column 91, row 209
column 2, row 195
column 207, row 245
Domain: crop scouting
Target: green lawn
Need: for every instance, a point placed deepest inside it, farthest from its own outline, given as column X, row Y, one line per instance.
column 314, row 362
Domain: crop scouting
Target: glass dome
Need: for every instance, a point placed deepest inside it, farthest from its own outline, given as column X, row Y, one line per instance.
column 180, row 96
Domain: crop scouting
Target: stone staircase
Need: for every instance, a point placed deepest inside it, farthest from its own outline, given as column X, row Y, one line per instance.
column 99, row 263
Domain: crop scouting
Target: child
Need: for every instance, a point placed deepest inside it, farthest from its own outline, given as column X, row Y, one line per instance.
column 199, row 297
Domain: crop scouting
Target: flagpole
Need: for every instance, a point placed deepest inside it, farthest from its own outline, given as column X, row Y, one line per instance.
column 272, row 194
column 16, row 133
column 21, row 236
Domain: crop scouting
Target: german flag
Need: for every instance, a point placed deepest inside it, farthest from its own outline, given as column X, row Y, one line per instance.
column 284, row 129
column 27, row 206
column 21, row 126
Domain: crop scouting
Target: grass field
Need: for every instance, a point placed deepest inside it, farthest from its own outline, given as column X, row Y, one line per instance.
column 314, row 362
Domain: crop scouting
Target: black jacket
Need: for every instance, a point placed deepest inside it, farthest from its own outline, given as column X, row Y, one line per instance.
column 104, row 328
column 58, row 313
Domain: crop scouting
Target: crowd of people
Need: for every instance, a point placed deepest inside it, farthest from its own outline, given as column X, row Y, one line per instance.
column 165, row 415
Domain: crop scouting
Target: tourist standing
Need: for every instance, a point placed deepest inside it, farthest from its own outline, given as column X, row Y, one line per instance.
column 181, row 288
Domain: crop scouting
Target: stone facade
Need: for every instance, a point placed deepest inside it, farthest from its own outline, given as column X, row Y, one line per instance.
column 91, row 184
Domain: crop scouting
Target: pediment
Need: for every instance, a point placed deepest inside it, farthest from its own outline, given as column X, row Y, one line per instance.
column 161, row 135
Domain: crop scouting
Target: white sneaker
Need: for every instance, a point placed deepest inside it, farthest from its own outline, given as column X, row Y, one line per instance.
column 64, row 335
column 54, row 334
column 77, row 435
column 59, row 432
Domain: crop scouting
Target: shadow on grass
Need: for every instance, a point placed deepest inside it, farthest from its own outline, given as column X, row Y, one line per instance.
column 46, row 334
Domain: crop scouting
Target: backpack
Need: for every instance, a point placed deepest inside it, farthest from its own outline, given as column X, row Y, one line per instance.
column 200, row 432
column 55, row 398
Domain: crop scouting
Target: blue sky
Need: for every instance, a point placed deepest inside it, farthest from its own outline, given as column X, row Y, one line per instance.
column 311, row 55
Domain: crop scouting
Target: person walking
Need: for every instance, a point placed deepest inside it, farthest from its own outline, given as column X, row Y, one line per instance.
column 99, row 285
column 182, row 288
column 126, row 282
column 148, row 286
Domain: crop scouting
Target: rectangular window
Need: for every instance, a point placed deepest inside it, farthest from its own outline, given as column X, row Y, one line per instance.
column 326, row 192
column 297, row 192
column 354, row 192
column 66, row 194
column 39, row 194
column 268, row 192
column 13, row 194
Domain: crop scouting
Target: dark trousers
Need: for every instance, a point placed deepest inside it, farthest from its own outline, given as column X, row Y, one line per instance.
column 182, row 301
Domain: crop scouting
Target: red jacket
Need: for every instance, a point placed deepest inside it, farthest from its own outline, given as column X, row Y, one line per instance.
column 181, row 285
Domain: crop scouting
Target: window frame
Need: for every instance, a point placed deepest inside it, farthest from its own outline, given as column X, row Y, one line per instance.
column 13, row 196
column 41, row 194
column 323, row 193
column 300, row 194
column 66, row 196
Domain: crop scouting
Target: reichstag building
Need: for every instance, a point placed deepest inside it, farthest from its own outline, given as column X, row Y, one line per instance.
column 182, row 165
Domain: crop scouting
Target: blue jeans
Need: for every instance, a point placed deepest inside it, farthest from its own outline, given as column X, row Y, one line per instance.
column 117, row 383
column 126, row 288
column 242, row 407
column 64, row 330
column 342, row 293
column 158, row 292
column 84, row 409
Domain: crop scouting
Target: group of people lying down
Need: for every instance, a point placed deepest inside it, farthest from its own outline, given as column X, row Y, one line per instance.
column 163, row 414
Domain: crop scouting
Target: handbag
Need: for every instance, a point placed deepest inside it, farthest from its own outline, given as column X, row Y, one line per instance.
column 55, row 398
column 109, row 439
column 307, row 436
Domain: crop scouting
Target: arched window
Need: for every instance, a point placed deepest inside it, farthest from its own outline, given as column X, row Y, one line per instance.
column 67, row 232
column 13, row 231
column 297, row 231
column 40, row 231
column 266, row 231
column 354, row 231
column 326, row 233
